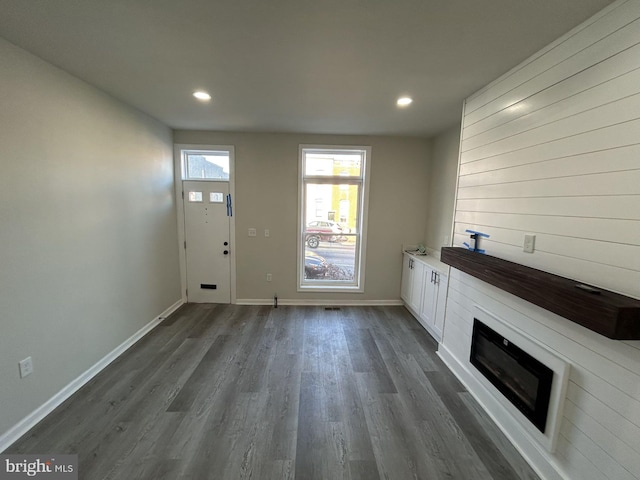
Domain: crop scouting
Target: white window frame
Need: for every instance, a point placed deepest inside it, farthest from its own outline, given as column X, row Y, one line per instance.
column 363, row 206
column 184, row 165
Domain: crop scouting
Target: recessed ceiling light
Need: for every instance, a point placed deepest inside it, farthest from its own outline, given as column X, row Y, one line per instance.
column 200, row 95
column 404, row 101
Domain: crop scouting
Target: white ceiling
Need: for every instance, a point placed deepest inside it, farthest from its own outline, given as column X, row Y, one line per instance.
column 315, row 66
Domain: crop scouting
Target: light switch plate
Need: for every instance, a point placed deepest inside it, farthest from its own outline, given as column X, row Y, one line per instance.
column 26, row 367
column 529, row 243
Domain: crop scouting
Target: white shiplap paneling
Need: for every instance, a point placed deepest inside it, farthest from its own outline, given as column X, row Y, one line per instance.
column 545, row 108
column 619, row 159
column 624, row 428
column 552, row 148
column 622, row 256
column 607, row 36
column 605, row 139
column 582, row 185
column 601, row 461
column 614, row 113
column 610, row 455
column 609, row 230
column 612, row 67
column 623, row 207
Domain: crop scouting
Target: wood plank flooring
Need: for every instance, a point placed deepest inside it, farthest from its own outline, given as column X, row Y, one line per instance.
column 243, row 392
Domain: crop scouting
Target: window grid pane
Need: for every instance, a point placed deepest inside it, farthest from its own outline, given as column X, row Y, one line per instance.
column 333, row 164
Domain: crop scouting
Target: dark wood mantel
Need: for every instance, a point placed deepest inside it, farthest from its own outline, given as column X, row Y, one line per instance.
column 610, row 314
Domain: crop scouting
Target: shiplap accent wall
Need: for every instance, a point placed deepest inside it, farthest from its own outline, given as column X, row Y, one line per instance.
column 552, row 148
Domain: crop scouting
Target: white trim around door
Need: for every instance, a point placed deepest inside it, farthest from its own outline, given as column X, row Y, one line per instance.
column 179, row 176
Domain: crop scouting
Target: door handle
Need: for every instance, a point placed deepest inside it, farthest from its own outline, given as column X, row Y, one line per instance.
column 229, row 206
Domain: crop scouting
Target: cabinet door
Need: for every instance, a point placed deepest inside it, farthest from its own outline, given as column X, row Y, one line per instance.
column 429, row 297
column 405, row 289
column 441, row 302
column 417, row 283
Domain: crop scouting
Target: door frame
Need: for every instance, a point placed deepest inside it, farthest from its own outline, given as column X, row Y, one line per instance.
column 178, row 170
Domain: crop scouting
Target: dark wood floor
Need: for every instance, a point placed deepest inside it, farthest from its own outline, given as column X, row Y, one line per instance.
column 238, row 392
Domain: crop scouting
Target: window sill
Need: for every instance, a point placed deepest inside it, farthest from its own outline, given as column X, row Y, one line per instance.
column 331, row 288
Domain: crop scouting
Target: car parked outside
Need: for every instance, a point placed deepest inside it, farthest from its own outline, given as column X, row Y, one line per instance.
column 315, row 266
column 322, row 230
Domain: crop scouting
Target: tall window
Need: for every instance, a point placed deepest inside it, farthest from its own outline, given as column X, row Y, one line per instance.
column 333, row 212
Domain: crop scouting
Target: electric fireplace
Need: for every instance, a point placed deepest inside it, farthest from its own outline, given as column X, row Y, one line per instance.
column 522, row 379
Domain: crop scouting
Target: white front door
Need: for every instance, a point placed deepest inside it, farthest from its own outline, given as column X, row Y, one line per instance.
column 207, row 210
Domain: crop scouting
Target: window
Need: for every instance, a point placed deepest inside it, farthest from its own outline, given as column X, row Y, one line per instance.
column 216, row 197
column 206, row 165
column 331, row 254
column 195, row 196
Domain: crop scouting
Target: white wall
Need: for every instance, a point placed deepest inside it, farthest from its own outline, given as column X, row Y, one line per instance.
column 442, row 186
column 88, row 228
column 267, row 196
column 552, row 148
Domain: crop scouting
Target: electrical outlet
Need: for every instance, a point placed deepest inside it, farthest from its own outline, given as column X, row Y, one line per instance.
column 26, row 367
column 252, row 232
column 529, row 243
column 268, row 277
column 266, row 232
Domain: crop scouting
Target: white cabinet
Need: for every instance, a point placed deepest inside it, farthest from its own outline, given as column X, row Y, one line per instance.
column 412, row 282
column 426, row 314
column 434, row 298
column 424, row 290
column 405, row 289
column 441, row 301
column 417, row 285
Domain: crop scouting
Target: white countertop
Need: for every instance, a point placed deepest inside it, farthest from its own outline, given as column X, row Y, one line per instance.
column 431, row 259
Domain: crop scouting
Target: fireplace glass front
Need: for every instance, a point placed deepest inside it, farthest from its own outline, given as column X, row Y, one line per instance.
column 523, row 380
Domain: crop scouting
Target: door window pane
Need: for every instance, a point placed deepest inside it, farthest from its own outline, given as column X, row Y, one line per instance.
column 207, row 165
column 216, row 197
column 195, row 196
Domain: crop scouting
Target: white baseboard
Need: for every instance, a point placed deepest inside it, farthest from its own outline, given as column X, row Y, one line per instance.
column 22, row 427
column 541, row 462
column 335, row 303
